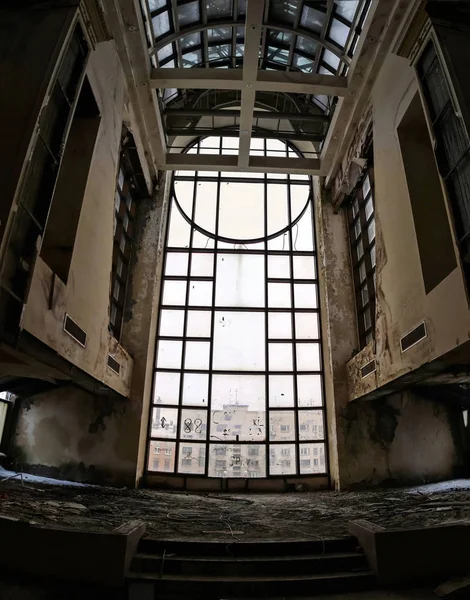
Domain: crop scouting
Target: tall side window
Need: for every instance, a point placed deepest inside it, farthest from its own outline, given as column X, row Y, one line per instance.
column 128, row 191
column 361, row 219
column 452, row 146
column 40, row 181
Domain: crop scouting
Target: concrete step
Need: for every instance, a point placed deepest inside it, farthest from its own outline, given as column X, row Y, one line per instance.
column 227, row 564
column 254, row 548
column 172, row 586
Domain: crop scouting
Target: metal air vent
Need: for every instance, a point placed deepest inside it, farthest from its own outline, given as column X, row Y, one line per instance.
column 369, row 368
column 74, row 331
column 416, row 335
column 113, row 364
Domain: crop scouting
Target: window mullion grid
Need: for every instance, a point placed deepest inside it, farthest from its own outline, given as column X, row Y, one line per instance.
column 184, row 342
column 211, row 347
column 266, row 322
column 294, row 337
column 162, row 287
column 367, row 245
column 322, row 369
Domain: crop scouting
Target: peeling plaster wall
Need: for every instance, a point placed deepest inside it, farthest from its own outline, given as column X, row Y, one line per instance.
column 86, row 296
column 70, row 434
column 402, row 439
column 402, row 302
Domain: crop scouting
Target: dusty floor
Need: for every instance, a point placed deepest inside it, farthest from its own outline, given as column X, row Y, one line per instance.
column 211, row 516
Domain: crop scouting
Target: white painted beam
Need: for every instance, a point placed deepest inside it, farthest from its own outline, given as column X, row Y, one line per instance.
column 197, row 79
column 380, row 28
column 126, row 24
column 263, row 81
column 301, row 83
column 257, row 164
column 253, row 23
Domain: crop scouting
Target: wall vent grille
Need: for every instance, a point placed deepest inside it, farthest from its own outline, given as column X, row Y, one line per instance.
column 113, row 364
column 416, row 335
column 75, row 331
column 368, row 369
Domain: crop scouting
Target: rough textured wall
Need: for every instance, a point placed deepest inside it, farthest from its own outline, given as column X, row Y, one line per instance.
column 86, row 296
column 29, row 45
column 338, row 319
column 68, row 433
column 402, row 302
column 401, row 439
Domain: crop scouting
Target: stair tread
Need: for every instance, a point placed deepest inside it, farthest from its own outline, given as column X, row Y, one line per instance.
column 252, row 579
column 260, row 558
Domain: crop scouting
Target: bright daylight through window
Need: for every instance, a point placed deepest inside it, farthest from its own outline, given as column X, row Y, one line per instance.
column 238, row 387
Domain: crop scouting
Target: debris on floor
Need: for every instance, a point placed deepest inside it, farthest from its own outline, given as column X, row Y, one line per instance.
column 174, row 515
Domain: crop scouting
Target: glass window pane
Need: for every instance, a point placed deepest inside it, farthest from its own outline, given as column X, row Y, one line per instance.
column 162, row 457
column 312, row 458
column 305, row 295
column 238, row 408
column 195, row 389
column 311, row 425
column 279, row 267
column 282, row 459
column 240, row 280
column 174, row 293
column 308, row 357
column 200, row 293
column 193, row 424
column 179, row 231
column 166, row 388
column 161, row 24
column 280, row 357
column 164, row 422
column 279, row 325
column 169, row 354
column 231, row 460
column 304, row 267
column 302, row 233
column 188, row 13
column 309, row 390
column 371, row 231
column 199, row 323
column 239, row 341
column 236, row 201
column 338, row 33
column 282, row 426
column 279, row 295
column 202, row 265
column 281, row 391
column 176, row 263
column 192, row 459
column 197, row 355
column 171, row 322
column 306, row 326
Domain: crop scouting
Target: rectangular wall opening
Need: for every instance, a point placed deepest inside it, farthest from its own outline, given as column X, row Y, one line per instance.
column 436, row 249
column 62, row 224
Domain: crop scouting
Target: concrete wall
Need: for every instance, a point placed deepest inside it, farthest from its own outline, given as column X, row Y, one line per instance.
column 402, row 439
column 30, row 44
column 402, row 302
column 86, row 296
column 70, row 434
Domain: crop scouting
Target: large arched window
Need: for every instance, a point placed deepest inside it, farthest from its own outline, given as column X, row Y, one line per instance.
column 238, row 387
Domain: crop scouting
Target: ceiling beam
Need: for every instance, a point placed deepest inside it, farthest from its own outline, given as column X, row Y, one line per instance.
column 263, row 81
column 379, row 30
column 258, row 114
column 230, row 132
column 256, row 164
column 254, row 21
